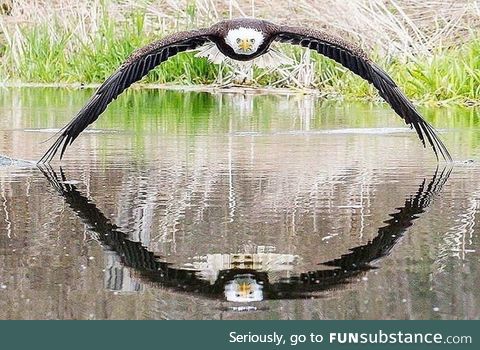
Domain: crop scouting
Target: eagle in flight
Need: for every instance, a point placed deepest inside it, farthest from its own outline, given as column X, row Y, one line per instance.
column 245, row 39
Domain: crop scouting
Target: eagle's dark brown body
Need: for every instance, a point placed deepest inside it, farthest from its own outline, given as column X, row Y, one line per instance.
column 145, row 59
column 218, row 32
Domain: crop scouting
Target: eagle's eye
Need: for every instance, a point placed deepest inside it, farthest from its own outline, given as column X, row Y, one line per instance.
column 239, row 40
column 252, row 41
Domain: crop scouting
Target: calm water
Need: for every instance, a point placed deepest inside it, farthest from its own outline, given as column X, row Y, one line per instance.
column 222, row 206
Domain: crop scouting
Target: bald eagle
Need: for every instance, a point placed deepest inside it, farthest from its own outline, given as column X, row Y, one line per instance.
column 245, row 39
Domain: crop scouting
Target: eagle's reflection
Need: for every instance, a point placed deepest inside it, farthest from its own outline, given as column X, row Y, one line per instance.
column 242, row 281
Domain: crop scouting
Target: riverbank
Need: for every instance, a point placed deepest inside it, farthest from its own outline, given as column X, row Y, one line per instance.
column 432, row 65
column 245, row 90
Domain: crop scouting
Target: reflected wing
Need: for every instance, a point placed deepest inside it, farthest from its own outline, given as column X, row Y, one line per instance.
column 355, row 59
column 396, row 227
column 132, row 253
column 360, row 258
column 135, row 68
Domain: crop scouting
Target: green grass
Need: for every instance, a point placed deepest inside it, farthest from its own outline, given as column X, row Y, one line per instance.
column 53, row 54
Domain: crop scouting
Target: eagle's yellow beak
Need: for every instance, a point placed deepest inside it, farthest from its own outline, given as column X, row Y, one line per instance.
column 244, row 289
column 245, row 45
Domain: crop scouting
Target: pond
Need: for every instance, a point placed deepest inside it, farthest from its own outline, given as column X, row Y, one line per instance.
column 196, row 205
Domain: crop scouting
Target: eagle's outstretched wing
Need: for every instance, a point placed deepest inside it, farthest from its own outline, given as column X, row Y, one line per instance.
column 133, row 69
column 356, row 60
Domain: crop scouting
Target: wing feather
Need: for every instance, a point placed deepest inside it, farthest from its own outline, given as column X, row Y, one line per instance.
column 133, row 69
column 356, row 60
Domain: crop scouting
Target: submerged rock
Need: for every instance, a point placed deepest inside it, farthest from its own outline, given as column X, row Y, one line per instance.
column 7, row 161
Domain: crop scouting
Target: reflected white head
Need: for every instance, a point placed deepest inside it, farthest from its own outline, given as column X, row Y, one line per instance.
column 243, row 289
column 244, row 41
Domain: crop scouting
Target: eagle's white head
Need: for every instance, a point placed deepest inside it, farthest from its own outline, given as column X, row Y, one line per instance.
column 244, row 41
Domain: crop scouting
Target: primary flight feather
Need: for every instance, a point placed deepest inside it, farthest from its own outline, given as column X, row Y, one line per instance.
column 244, row 40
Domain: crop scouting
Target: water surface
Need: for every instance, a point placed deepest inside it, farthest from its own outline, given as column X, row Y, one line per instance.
column 227, row 206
